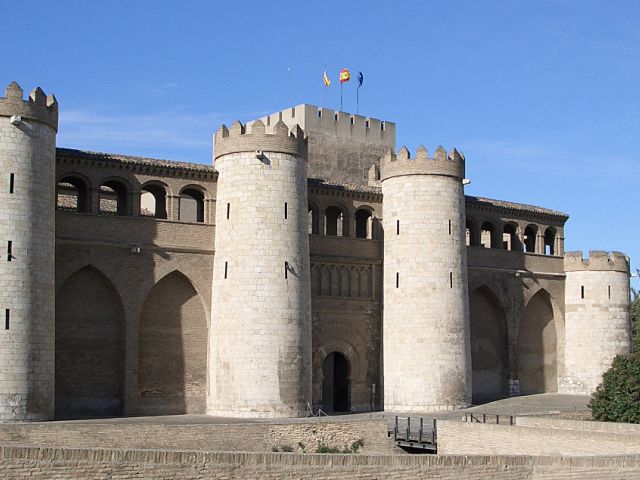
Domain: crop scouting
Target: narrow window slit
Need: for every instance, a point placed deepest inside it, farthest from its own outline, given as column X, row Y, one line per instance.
column 450, row 279
column 582, row 291
column 226, row 269
column 285, row 210
column 12, row 177
column 609, row 292
column 397, row 279
column 286, row 270
column 7, row 316
column 449, row 227
column 228, row 210
column 9, row 251
column 397, row 227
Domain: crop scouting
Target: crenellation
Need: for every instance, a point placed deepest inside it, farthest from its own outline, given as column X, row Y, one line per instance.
column 402, row 163
column 597, row 260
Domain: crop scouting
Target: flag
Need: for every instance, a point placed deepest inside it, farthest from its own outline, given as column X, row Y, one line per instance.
column 360, row 78
column 345, row 75
column 325, row 79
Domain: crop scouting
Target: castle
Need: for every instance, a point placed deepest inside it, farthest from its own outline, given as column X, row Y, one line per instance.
column 311, row 266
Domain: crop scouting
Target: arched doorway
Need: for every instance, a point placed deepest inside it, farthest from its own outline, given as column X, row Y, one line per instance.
column 89, row 347
column 336, row 386
column 489, row 348
column 537, row 347
column 172, row 352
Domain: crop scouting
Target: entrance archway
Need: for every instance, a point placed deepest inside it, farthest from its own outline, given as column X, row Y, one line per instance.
column 336, row 386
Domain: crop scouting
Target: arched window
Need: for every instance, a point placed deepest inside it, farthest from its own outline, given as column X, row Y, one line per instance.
column 113, row 198
column 471, row 232
column 71, row 195
column 365, row 224
column 191, row 205
column 510, row 237
column 313, row 219
column 530, row 234
column 487, row 235
column 153, row 201
column 550, row 241
column 334, row 221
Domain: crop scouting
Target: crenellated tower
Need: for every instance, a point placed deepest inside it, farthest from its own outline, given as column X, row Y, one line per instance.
column 27, row 231
column 260, row 336
column 427, row 360
column 597, row 317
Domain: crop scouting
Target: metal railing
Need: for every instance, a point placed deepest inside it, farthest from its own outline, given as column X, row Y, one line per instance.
column 489, row 418
column 404, row 430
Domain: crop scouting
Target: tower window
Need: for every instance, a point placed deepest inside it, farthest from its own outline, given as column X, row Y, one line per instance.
column 582, row 291
column 397, row 227
column 285, row 210
column 12, row 177
column 450, row 279
column 609, row 292
column 7, row 316
column 228, row 210
column 449, row 227
column 319, row 113
column 286, row 270
column 9, row 250
column 226, row 269
column 397, row 279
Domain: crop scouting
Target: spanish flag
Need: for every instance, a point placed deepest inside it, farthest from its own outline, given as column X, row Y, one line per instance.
column 325, row 79
column 345, row 75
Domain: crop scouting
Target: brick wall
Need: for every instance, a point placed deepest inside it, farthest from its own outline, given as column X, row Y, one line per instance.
column 239, row 437
column 486, row 439
column 45, row 463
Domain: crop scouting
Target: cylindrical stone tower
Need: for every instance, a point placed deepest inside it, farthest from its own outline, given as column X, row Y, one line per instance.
column 27, row 232
column 597, row 317
column 260, row 338
column 427, row 360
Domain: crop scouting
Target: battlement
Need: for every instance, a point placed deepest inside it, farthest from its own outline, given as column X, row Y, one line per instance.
column 442, row 163
column 596, row 261
column 38, row 107
column 259, row 137
column 339, row 124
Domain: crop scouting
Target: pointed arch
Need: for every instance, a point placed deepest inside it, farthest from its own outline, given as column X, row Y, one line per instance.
column 89, row 338
column 537, row 346
column 172, row 350
column 489, row 346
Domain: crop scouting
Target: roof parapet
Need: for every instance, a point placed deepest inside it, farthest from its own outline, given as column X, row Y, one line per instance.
column 259, row 137
column 38, row 107
column 597, row 261
column 450, row 164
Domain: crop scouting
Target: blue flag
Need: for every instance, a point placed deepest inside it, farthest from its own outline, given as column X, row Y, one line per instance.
column 360, row 78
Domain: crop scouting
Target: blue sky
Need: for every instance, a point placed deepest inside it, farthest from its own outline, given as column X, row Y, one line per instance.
column 542, row 97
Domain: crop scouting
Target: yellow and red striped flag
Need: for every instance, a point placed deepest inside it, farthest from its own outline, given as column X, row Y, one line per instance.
column 345, row 75
column 325, row 79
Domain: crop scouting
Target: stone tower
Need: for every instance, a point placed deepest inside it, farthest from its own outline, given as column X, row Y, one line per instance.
column 427, row 360
column 597, row 317
column 260, row 339
column 27, row 230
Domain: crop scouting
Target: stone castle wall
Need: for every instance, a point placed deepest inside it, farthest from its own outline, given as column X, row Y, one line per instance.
column 597, row 317
column 260, row 350
column 427, row 361
column 27, row 278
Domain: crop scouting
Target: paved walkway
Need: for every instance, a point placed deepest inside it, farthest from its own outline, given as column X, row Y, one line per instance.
column 543, row 404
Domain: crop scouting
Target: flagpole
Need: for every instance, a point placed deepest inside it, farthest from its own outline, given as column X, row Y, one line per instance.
column 358, row 100
column 324, row 87
column 340, row 95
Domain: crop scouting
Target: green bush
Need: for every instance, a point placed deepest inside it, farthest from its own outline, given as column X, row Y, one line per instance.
column 617, row 398
column 635, row 319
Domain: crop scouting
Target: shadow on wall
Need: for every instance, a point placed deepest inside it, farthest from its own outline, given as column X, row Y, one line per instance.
column 514, row 338
column 89, row 347
column 172, row 354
